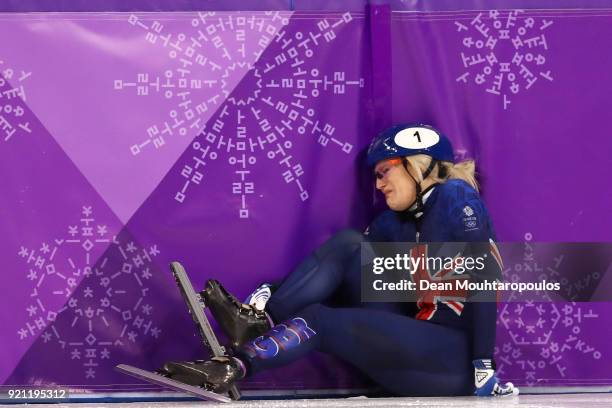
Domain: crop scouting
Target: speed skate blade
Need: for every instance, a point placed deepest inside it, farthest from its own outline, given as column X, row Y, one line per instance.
column 158, row 379
column 196, row 310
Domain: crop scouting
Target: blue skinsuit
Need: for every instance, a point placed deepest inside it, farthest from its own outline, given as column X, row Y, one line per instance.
column 408, row 350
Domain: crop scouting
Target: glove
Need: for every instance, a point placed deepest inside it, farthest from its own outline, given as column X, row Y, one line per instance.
column 486, row 381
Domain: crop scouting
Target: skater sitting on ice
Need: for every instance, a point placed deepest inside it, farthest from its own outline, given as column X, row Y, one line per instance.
column 435, row 348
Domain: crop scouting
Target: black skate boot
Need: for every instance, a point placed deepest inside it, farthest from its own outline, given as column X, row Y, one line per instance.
column 238, row 321
column 217, row 374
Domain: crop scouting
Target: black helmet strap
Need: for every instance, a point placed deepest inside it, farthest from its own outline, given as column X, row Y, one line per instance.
column 418, row 204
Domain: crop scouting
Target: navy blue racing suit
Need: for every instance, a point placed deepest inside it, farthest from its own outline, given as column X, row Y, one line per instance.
column 422, row 349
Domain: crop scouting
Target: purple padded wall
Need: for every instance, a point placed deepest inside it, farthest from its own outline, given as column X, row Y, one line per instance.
column 231, row 141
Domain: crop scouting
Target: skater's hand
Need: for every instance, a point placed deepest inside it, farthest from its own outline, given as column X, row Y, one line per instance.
column 486, row 381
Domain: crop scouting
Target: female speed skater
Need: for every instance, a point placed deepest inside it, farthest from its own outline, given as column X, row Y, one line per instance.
column 435, row 347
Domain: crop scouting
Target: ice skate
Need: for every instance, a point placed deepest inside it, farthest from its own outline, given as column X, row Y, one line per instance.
column 217, row 375
column 163, row 380
column 238, row 321
column 209, row 339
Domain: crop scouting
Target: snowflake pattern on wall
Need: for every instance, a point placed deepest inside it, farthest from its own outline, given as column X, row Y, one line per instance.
column 262, row 119
column 504, row 52
column 77, row 301
column 544, row 335
column 217, row 48
column 12, row 102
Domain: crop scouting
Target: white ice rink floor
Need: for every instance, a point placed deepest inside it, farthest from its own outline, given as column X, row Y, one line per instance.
column 599, row 400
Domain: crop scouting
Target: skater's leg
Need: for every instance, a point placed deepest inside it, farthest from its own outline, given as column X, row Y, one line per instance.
column 330, row 275
column 348, row 293
column 404, row 355
column 317, row 277
column 284, row 343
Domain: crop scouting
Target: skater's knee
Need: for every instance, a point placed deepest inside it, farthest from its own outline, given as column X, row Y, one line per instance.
column 344, row 241
column 348, row 236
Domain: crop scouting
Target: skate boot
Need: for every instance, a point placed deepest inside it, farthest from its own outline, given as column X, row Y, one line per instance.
column 217, row 374
column 238, row 321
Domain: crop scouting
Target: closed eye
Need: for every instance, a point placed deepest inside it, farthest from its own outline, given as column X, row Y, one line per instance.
column 380, row 174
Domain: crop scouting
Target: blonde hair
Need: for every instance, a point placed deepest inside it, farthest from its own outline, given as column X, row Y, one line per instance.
column 465, row 170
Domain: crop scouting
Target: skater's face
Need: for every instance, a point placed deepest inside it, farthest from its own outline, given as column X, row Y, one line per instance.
column 394, row 182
